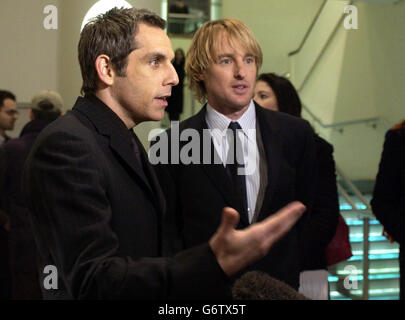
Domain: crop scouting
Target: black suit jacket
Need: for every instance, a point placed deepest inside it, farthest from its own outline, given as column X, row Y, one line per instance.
column 22, row 246
column 97, row 216
column 388, row 200
column 325, row 210
column 196, row 193
column 5, row 272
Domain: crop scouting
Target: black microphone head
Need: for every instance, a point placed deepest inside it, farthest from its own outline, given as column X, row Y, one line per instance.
column 256, row 285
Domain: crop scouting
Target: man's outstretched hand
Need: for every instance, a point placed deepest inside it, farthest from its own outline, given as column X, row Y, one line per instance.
column 235, row 249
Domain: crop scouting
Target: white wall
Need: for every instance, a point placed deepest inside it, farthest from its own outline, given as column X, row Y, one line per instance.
column 361, row 75
column 28, row 51
column 279, row 26
column 34, row 58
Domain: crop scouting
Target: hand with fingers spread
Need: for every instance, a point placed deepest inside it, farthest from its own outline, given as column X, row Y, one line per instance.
column 235, row 249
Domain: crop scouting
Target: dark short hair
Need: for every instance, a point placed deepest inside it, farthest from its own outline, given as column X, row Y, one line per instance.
column 287, row 97
column 112, row 34
column 4, row 94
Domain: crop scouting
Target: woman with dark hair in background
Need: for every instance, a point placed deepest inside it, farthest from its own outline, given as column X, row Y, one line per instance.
column 277, row 93
column 175, row 101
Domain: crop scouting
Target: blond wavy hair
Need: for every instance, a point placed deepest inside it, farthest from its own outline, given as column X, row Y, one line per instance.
column 206, row 44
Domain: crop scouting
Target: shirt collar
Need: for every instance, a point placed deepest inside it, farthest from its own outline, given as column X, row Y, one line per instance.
column 216, row 120
column 220, row 122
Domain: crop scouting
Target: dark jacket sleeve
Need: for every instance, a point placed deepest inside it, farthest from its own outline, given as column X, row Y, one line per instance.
column 71, row 215
column 172, row 224
column 3, row 215
column 3, row 218
column 388, row 202
column 321, row 226
column 168, row 174
column 305, row 179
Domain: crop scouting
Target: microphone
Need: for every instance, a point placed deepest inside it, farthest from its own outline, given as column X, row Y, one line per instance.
column 256, row 285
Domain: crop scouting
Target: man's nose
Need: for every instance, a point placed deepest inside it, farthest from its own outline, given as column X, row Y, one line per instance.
column 240, row 70
column 173, row 78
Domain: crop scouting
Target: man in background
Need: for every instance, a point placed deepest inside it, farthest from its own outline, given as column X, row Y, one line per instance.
column 5, row 273
column 46, row 106
column 8, row 114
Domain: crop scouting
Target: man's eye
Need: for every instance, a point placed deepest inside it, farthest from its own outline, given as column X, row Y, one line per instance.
column 154, row 63
column 225, row 61
column 250, row 60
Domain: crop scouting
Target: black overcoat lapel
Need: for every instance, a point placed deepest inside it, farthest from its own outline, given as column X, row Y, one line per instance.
column 216, row 170
column 152, row 178
column 273, row 150
column 108, row 124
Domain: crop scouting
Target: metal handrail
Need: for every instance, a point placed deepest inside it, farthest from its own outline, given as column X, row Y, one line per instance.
column 324, row 46
column 343, row 123
column 317, row 119
column 366, row 216
column 323, row 50
column 367, row 213
column 355, row 190
column 309, row 29
column 366, row 261
column 362, row 212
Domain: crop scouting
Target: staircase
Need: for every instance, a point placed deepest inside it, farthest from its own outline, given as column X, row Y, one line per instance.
column 374, row 257
column 346, row 278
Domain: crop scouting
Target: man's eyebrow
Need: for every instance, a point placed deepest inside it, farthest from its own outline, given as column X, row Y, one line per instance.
column 155, row 55
column 224, row 55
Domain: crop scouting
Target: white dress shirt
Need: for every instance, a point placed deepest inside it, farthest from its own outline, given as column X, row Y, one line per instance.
column 247, row 121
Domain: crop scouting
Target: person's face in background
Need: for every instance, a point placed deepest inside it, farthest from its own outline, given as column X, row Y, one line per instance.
column 179, row 55
column 264, row 95
column 8, row 114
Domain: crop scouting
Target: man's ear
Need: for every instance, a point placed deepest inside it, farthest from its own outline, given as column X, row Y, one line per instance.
column 104, row 69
